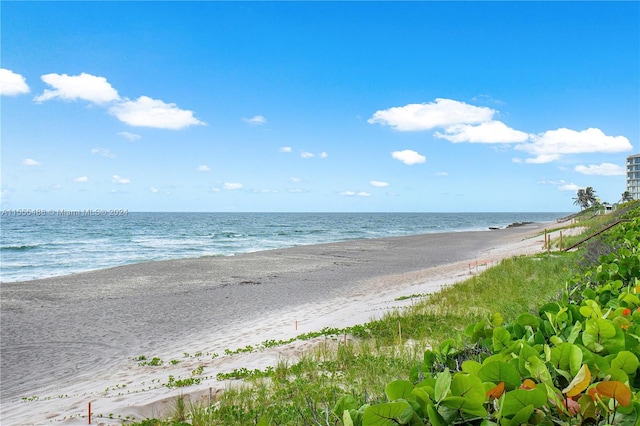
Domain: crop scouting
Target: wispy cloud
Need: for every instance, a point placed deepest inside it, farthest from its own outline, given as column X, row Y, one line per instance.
column 232, row 185
column 286, row 149
column 130, row 136
column 307, row 154
column 12, row 84
column 355, row 194
column 31, row 162
column 604, row 169
column 148, row 112
column 120, row 180
column 203, row 168
column 409, row 157
column 103, row 152
column 82, row 179
column 73, row 87
column 561, row 184
column 378, row 184
column 256, row 120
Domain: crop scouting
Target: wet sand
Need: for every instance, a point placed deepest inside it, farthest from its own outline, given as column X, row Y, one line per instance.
column 70, row 340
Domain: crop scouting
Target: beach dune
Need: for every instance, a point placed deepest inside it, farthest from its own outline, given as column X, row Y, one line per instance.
column 70, row 340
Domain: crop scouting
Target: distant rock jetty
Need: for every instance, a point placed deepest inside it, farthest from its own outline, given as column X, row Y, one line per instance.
column 512, row 225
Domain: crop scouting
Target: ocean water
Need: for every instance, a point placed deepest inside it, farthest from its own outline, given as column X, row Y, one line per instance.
column 46, row 245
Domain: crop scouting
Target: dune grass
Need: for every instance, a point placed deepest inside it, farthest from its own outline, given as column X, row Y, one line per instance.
column 304, row 391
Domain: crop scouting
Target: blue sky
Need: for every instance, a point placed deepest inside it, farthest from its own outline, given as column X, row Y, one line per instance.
column 313, row 106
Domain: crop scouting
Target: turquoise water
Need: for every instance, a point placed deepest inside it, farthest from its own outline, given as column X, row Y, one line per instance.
column 44, row 246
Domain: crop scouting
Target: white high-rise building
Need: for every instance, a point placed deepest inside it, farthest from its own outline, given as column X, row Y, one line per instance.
column 633, row 176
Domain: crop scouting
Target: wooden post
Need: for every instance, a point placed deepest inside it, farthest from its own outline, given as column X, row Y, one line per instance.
column 560, row 240
column 89, row 413
column 296, row 324
column 545, row 238
column 400, row 332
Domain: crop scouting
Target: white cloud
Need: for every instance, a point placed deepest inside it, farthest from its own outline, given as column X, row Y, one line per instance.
column 604, row 169
column 148, row 112
column 31, row 162
column 215, row 189
column 153, row 189
column 441, row 113
column 203, row 168
column 487, row 132
column 256, row 120
column 295, row 179
column 561, row 184
column 323, row 155
column 120, row 180
column 305, row 154
column 72, row 87
column 569, row 187
column 82, row 179
column 232, row 185
column 12, row 84
column 441, row 174
column 103, row 152
column 409, row 157
column 286, row 149
column 130, row 136
column 552, row 144
column 378, row 184
column 355, row 194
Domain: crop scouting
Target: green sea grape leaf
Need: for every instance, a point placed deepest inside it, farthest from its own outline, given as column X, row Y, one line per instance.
column 443, row 384
column 626, row 361
column 467, row 386
column 501, row 338
column 471, row 367
column 568, row 357
column 517, row 399
column 528, row 319
column 388, row 414
column 460, row 403
column 346, row 402
column 575, row 332
column 499, row 371
column 346, row 419
column 434, row 417
column 422, row 397
column 522, row 416
column 597, row 330
column 591, row 310
column 399, row 389
column 538, row 370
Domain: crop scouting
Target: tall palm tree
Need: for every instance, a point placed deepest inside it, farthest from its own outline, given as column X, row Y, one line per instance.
column 590, row 195
column 581, row 199
column 626, row 196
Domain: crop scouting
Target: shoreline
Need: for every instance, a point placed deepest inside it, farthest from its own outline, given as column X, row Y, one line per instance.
column 77, row 342
column 99, row 264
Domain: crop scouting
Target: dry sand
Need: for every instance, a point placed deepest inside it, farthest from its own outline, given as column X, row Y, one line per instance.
column 70, row 341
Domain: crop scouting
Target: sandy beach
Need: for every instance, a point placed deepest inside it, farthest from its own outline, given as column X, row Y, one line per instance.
column 71, row 340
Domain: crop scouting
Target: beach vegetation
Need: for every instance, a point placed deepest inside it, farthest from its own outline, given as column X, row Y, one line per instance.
column 541, row 340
